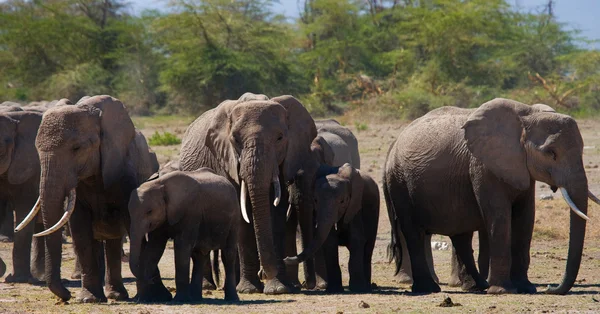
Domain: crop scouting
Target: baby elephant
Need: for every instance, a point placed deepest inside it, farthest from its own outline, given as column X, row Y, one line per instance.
column 347, row 214
column 200, row 211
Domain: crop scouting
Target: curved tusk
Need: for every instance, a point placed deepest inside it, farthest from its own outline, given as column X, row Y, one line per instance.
column 146, row 236
column 65, row 218
column 289, row 212
column 30, row 216
column 277, row 189
column 574, row 208
column 243, row 202
column 593, row 197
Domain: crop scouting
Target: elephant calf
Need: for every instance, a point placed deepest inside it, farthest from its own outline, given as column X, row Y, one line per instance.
column 347, row 207
column 200, row 211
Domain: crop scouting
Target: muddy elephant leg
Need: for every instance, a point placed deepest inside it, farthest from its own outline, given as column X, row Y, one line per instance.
column 183, row 253
column 198, row 273
column 522, row 230
column 229, row 256
column 22, row 241
column 332, row 263
column 38, row 254
column 114, row 287
column 483, row 260
column 291, row 250
column 472, row 280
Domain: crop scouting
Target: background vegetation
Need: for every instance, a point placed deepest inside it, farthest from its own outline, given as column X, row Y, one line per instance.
column 397, row 58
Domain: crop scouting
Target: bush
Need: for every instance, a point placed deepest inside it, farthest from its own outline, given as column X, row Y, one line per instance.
column 163, row 140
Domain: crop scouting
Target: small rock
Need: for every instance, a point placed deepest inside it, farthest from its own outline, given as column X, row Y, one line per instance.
column 363, row 305
column 546, row 197
column 492, row 307
column 339, row 312
column 448, row 303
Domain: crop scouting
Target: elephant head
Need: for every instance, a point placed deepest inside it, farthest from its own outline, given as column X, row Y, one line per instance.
column 260, row 142
column 85, row 142
column 18, row 157
column 338, row 198
column 521, row 144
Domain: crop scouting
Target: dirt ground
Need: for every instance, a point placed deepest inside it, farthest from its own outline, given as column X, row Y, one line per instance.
column 548, row 252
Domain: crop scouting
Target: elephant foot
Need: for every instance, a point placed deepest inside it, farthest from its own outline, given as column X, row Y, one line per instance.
column 38, row 275
column 231, row 296
column 17, row 278
column 116, row 292
column 207, row 285
column 321, row 284
column 455, row 282
column 334, row 289
column 86, row 296
column 182, row 297
column 276, row 286
column 525, row 287
column 2, row 268
column 5, row 239
column 403, row 277
column 60, row 291
column 472, row 286
column 360, row 288
column 35, row 281
column 154, row 293
column 248, row 287
column 507, row 289
column 296, row 284
column 76, row 275
column 425, row 286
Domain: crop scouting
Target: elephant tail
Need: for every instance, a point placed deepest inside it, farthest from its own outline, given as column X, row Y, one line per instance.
column 394, row 250
column 215, row 267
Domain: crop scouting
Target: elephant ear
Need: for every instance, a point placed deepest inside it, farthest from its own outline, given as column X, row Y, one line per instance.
column 493, row 134
column 25, row 161
column 139, row 153
column 117, row 131
column 218, row 139
column 356, row 190
column 301, row 132
column 324, row 152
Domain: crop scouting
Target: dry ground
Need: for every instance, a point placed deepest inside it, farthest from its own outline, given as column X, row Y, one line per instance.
column 547, row 263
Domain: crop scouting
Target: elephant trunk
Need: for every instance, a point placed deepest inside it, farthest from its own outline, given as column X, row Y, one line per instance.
column 326, row 218
column 52, row 195
column 135, row 250
column 578, row 193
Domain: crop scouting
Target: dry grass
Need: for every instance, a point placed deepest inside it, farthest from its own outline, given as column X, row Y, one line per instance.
column 547, row 257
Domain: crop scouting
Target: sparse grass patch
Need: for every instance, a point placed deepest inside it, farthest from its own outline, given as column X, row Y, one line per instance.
column 165, row 139
column 162, row 121
column 361, row 126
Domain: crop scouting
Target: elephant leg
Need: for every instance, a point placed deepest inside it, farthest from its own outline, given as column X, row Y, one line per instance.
column 249, row 262
column 500, row 255
column 464, row 253
column 7, row 222
column 183, row 253
column 77, row 270
column 22, row 242
column 114, row 288
column 332, row 263
column 38, row 250
column 229, row 256
column 404, row 275
column 429, row 257
column 320, row 270
column 208, row 282
column 87, row 250
column 150, row 287
column 356, row 265
column 305, row 220
column 290, row 250
column 523, row 218
column 422, row 280
column 200, row 261
column 484, row 254
column 457, row 270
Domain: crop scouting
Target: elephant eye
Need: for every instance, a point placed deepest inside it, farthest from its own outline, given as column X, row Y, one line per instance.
column 279, row 138
column 76, row 147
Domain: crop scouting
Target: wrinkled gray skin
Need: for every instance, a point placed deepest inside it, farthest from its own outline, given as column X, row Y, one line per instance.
column 91, row 147
column 333, row 146
column 347, row 209
column 254, row 141
column 19, row 182
column 484, row 162
column 200, row 211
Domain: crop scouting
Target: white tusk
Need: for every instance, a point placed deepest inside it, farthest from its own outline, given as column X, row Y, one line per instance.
column 593, row 197
column 277, row 188
column 574, row 208
column 243, row 202
column 65, row 218
column 289, row 212
column 30, row 216
column 146, row 237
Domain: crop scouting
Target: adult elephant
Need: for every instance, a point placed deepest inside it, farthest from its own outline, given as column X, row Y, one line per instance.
column 333, row 146
column 91, row 154
column 455, row 171
column 256, row 144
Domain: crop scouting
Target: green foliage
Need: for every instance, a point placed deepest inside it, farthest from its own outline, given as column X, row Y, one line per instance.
column 399, row 58
column 361, row 126
column 163, row 140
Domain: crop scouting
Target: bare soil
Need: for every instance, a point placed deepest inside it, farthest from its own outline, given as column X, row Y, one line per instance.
column 548, row 252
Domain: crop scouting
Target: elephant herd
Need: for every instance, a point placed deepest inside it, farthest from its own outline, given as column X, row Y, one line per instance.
column 255, row 171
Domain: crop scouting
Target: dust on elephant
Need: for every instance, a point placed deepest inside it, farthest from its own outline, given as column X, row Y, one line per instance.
column 91, row 154
column 334, row 145
column 483, row 164
column 200, row 211
column 347, row 214
column 255, row 144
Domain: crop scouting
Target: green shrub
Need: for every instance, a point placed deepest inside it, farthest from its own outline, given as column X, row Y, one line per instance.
column 361, row 126
column 163, row 140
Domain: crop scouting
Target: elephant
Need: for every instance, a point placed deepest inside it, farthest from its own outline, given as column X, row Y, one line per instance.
column 483, row 163
column 19, row 182
column 200, row 211
column 334, row 145
column 256, row 144
column 347, row 210
column 90, row 154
